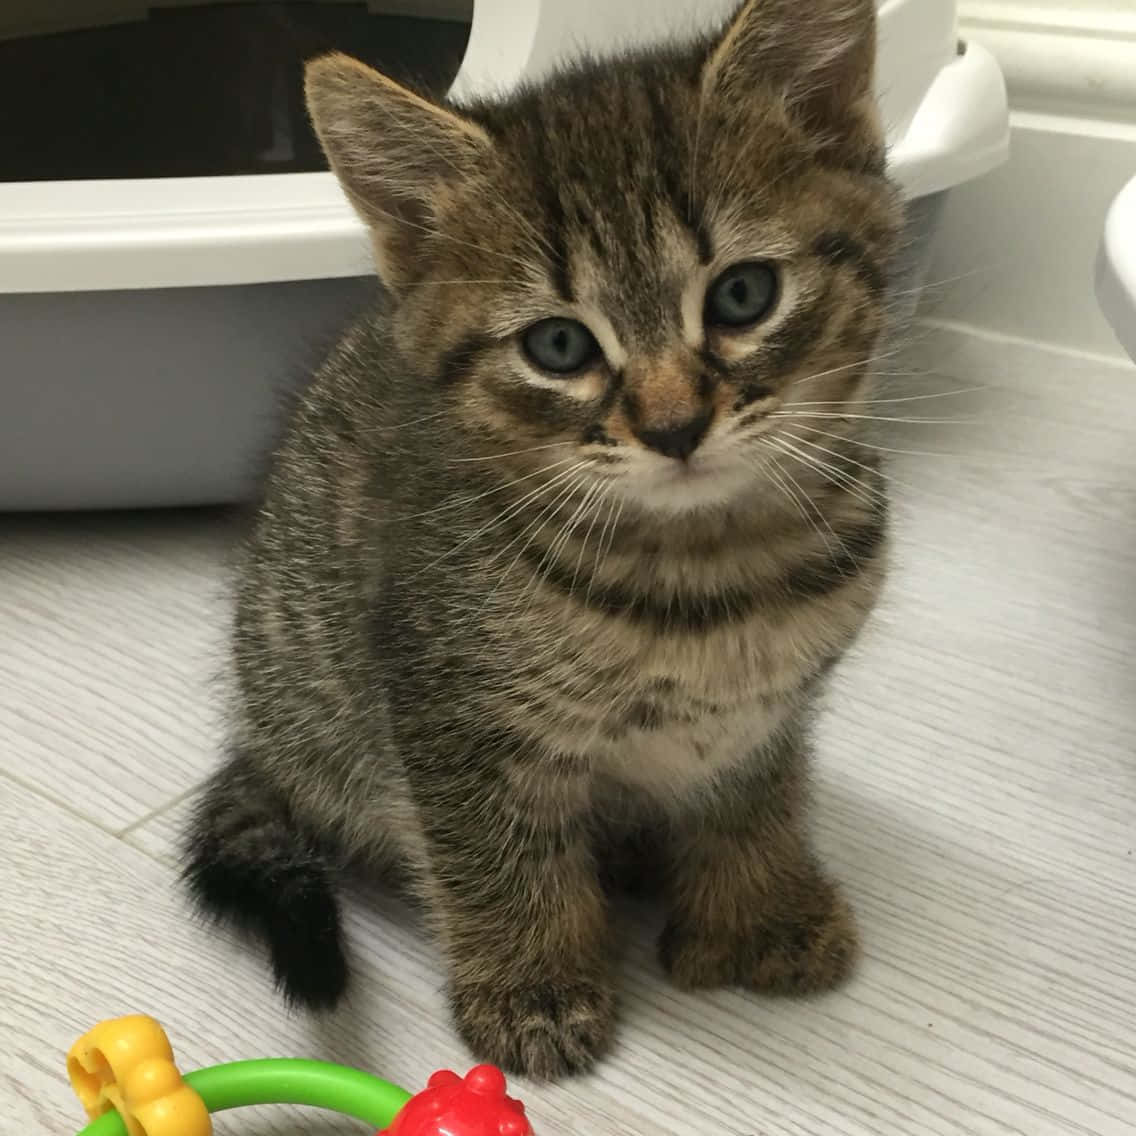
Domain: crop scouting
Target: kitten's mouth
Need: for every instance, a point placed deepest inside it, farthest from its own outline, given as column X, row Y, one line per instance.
column 688, row 472
column 698, row 466
column 697, row 482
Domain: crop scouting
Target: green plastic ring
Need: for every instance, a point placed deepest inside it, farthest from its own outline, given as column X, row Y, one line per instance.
column 284, row 1080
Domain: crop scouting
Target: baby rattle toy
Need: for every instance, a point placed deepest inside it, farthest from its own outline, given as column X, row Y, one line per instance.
column 124, row 1075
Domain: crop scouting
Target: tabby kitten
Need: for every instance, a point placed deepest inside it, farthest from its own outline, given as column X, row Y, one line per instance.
column 547, row 577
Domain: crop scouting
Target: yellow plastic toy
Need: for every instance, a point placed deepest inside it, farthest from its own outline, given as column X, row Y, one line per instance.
column 128, row 1065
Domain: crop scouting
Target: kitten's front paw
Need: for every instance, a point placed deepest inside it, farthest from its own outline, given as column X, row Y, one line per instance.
column 546, row 1030
column 802, row 948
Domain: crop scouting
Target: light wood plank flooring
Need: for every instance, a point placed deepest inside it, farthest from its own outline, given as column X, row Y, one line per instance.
column 976, row 791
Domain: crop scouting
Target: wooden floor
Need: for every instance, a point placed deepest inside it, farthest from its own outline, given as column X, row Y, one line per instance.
column 976, row 790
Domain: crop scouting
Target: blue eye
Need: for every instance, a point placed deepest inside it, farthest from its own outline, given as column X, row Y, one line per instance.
column 560, row 345
column 741, row 295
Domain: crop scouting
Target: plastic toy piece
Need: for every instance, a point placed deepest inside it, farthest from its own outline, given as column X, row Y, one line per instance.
column 284, row 1080
column 451, row 1106
column 127, row 1065
column 123, row 1073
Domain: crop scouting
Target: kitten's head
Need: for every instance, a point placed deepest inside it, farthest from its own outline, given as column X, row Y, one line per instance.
column 640, row 264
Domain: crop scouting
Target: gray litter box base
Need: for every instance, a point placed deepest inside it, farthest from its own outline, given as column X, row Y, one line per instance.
column 174, row 396
column 167, row 396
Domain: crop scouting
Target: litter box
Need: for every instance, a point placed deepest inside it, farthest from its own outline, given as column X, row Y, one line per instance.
column 151, row 325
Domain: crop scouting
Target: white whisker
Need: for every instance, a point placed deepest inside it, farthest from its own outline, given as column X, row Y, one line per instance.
column 852, row 461
column 545, row 519
column 861, row 490
column 931, row 285
column 875, row 418
column 503, row 516
column 556, row 547
column 600, row 555
column 531, row 530
column 799, row 498
column 887, row 401
column 478, row 496
column 510, row 453
column 864, row 362
column 587, row 537
column 872, row 445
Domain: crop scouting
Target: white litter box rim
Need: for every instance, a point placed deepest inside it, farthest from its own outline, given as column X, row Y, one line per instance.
column 947, row 118
column 1116, row 268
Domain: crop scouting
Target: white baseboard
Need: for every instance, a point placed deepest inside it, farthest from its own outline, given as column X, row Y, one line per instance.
column 977, row 355
column 1075, row 59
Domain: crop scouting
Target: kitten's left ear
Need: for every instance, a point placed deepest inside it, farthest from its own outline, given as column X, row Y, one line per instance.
column 819, row 53
column 393, row 151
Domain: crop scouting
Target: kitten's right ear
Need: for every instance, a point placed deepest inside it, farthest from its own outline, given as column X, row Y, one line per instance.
column 392, row 151
column 820, row 54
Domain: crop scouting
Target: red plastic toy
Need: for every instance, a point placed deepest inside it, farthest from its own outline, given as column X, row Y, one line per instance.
column 451, row 1106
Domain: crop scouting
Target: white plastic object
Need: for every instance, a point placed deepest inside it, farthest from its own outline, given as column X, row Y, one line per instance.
column 82, row 236
column 509, row 42
column 960, row 129
column 1116, row 268
column 945, row 112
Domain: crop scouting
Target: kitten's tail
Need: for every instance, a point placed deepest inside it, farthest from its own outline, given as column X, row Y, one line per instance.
column 248, row 863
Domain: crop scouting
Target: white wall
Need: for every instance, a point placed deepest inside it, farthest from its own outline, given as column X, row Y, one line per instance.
column 1023, row 239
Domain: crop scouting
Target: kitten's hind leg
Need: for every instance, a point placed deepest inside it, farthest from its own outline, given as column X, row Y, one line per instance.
column 247, row 862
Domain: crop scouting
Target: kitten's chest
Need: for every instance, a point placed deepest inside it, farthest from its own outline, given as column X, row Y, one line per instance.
column 675, row 711
column 664, row 712
column 668, row 751
column 664, row 706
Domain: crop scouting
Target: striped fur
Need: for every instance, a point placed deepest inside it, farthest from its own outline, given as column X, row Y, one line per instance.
column 486, row 636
